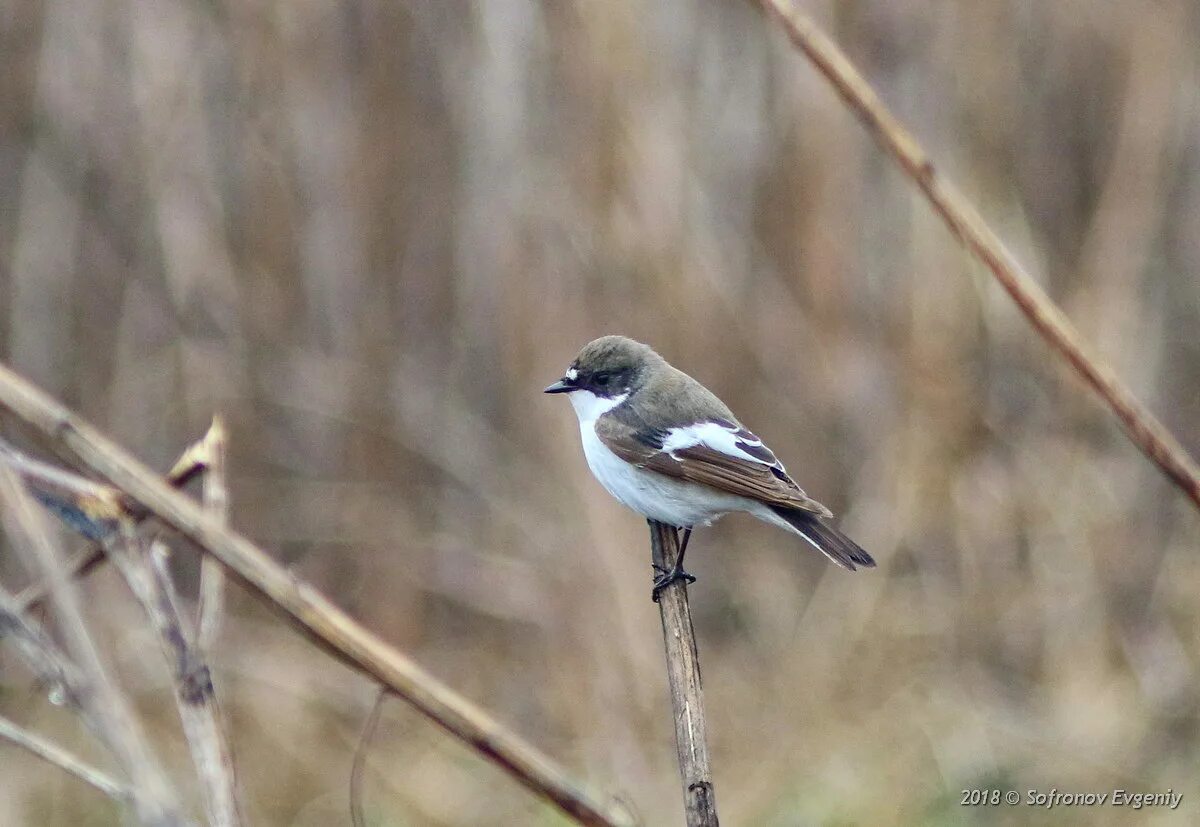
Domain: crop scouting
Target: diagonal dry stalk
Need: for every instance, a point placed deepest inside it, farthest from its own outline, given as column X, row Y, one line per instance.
column 86, row 506
column 99, row 512
column 51, row 753
column 57, row 488
column 45, row 659
column 68, row 686
column 683, row 679
column 1142, row 427
column 313, row 614
column 93, row 690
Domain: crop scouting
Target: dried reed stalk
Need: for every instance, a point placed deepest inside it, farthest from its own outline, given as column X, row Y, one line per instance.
column 215, row 496
column 144, row 567
column 683, row 678
column 53, row 754
column 1145, row 431
column 89, row 684
column 98, row 512
column 313, row 614
column 57, row 488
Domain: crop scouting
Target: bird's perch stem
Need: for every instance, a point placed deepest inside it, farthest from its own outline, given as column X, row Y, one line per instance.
column 683, row 676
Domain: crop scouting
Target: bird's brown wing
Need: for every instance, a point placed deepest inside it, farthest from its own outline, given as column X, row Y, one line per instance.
column 758, row 475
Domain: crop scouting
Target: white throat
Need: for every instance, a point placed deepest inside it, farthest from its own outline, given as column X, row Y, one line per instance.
column 589, row 407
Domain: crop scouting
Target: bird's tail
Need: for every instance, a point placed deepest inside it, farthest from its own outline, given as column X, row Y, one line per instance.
column 825, row 538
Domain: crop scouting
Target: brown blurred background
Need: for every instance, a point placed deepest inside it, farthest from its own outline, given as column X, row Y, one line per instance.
column 370, row 233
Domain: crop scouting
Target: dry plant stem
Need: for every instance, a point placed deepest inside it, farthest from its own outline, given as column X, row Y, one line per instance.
column 82, row 562
column 151, row 584
column 216, row 501
column 59, row 757
column 683, row 678
column 322, row 621
column 153, row 800
column 204, row 725
column 1150, row 435
column 53, row 669
column 201, row 713
column 358, row 767
column 218, row 756
column 51, row 666
column 94, row 502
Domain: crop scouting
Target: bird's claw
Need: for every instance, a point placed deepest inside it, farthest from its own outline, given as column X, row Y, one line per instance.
column 666, row 578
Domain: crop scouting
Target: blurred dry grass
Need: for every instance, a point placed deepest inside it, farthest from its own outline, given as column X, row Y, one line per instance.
column 371, row 232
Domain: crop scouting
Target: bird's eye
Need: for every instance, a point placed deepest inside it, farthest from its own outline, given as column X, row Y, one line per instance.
column 601, row 378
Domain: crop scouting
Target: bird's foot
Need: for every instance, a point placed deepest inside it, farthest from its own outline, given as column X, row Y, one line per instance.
column 666, row 577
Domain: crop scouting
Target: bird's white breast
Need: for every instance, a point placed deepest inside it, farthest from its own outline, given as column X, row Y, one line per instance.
column 650, row 494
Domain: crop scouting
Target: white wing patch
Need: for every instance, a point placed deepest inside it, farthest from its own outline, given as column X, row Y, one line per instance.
column 715, row 436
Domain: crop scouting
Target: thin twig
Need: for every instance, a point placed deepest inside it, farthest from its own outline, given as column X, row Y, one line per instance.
column 59, row 757
column 683, row 678
column 67, row 686
column 209, row 733
column 209, row 614
column 358, row 767
column 146, row 572
column 49, row 664
column 51, row 667
column 80, row 564
column 1142, row 427
column 216, row 501
column 84, row 561
column 153, row 799
column 97, row 511
column 318, row 618
column 201, row 713
column 86, row 506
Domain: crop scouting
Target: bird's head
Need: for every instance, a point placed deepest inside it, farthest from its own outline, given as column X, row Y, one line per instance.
column 605, row 372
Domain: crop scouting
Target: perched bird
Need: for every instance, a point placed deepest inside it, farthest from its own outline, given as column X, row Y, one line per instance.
column 667, row 447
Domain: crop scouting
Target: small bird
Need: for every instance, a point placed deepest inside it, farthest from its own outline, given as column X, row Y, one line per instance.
column 665, row 446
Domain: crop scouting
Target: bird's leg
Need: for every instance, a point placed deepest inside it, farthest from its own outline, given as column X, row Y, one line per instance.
column 687, row 535
column 668, row 576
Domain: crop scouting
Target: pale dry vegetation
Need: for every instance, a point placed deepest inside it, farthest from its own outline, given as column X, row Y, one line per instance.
column 369, row 233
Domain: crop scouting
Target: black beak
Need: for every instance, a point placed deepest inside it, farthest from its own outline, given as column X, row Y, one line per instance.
column 561, row 386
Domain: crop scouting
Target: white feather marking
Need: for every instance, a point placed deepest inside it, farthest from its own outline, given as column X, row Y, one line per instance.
column 811, row 541
column 655, row 495
column 589, row 407
column 571, row 374
column 711, row 435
